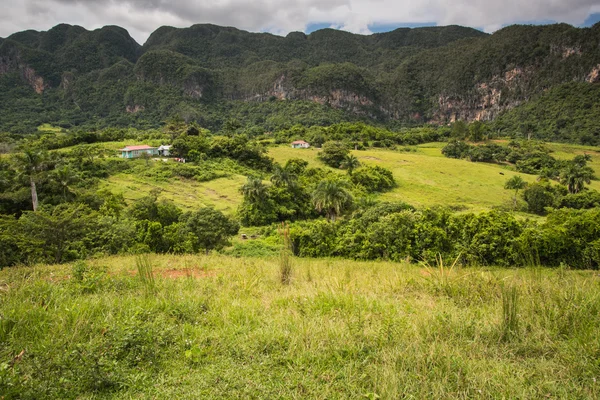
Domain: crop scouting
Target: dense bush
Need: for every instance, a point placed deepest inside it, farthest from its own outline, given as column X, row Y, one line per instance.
column 373, row 178
column 582, row 200
column 540, row 196
column 333, row 153
column 398, row 232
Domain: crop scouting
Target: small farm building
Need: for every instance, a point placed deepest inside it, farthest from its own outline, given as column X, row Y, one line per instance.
column 137, row 151
column 164, row 151
column 300, row 144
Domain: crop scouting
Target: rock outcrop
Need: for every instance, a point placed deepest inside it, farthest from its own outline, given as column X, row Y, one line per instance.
column 14, row 64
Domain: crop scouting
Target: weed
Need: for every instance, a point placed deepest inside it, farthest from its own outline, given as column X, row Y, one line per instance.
column 79, row 269
column 145, row 274
column 87, row 279
column 285, row 256
column 441, row 276
column 510, row 316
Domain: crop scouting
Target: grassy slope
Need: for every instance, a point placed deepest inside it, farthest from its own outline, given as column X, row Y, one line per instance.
column 222, row 193
column 342, row 329
column 424, row 177
column 427, row 178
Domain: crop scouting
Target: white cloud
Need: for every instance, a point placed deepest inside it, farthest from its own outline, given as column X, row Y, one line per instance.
column 141, row 17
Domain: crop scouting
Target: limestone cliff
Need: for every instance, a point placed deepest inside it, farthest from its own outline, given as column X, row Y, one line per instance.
column 10, row 64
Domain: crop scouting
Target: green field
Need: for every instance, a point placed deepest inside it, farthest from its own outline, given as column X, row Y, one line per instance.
column 424, row 177
column 221, row 327
column 221, row 193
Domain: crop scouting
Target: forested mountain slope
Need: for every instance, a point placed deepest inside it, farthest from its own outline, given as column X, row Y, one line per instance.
column 70, row 76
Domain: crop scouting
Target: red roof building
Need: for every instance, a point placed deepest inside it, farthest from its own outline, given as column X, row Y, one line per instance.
column 300, row 144
column 138, row 150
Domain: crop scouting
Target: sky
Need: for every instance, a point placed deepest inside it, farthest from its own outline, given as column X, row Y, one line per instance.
column 142, row 17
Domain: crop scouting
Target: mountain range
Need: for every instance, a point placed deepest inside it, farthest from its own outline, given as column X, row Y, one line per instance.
column 540, row 78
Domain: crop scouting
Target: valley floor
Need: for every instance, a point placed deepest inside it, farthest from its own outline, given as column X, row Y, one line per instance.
column 425, row 178
column 223, row 327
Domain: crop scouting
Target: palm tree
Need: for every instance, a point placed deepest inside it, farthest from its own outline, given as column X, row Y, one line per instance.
column 64, row 176
column 29, row 164
column 331, row 196
column 254, row 190
column 350, row 163
column 515, row 183
column 283, row 177
column 575, row 176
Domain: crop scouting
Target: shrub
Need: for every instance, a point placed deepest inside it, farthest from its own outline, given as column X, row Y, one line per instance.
column 539, row 196
column 374, row 178
column 334, row 153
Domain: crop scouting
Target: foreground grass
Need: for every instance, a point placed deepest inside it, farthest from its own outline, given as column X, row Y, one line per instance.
column 220, row 327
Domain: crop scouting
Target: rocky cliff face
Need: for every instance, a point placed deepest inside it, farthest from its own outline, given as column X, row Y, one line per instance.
column 487, row 100
column 10, row 64
column 594, row 75
column 344, row 99
column 422, row 75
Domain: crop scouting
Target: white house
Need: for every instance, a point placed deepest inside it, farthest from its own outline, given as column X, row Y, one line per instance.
column 164, row 150
column 300, row 144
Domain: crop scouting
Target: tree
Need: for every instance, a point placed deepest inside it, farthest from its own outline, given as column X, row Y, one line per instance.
column 515, row 183
column 86, row 153
column 476, row 131
column 254, row 190
column 334, row 153
column 30, row 163
column 231, row 126
column 175, row 127
column 350, row 163
column 64, row 177
column 207, row 229
column 146, row 157
column 4, row 180
column 539, row 196
column 296, row 166
column 10, row 242
column 59, row 229
column 148, row 208
column 283, row 177
column 331, row 197
column 374, row 178
column 576, row 174
column 459, row 130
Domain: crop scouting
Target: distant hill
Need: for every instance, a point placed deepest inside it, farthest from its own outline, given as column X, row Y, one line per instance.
column 70, row 76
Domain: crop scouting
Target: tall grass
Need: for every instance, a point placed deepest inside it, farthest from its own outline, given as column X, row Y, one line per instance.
column 145, row 273
column 285, row 256
column 350, row 330
column 510, row 312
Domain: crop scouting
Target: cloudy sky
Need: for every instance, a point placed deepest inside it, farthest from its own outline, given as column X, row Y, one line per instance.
column 141, row 17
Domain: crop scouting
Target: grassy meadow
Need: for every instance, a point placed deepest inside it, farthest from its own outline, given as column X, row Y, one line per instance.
column 221, row 193
column 424, row 176
column 222, row 327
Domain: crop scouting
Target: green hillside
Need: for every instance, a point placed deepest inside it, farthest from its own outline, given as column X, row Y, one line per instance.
column 69, row 76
